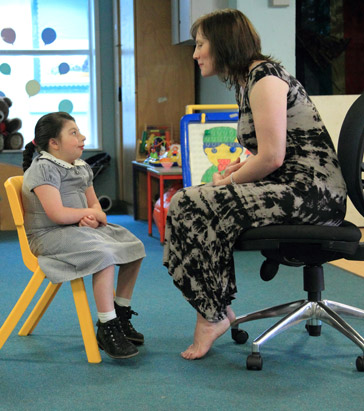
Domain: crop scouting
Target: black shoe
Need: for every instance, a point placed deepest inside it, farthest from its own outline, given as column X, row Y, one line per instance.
column 124, row 314
column 112, row 340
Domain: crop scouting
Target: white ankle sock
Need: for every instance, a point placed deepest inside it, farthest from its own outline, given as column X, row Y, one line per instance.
column 105, row 317
column 122, row 302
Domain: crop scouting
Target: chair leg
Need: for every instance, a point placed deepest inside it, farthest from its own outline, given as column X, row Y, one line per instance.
column 276, row 311
column 21, row 305
column 85, row 319
column 40, row 308
column 330, row 317
column 304, row 312
column 343, row 309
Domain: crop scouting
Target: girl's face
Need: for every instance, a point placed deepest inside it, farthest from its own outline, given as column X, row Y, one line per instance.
column 68, row 146
column 203, row 56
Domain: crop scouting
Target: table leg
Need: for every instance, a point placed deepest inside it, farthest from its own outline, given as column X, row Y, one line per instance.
column 135, row 194
column 161, row 196
column 149, row 198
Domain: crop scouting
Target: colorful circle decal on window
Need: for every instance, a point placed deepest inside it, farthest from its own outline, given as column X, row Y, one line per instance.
column 66, row 106
column 32, row 88
column 8, row 35
column 48, row 36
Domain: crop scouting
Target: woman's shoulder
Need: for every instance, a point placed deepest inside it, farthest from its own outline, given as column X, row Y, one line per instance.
column 268, row 68
column 265, row 69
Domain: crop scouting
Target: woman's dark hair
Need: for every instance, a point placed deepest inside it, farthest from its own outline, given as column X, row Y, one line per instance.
column 234, row 44
column 47, row 127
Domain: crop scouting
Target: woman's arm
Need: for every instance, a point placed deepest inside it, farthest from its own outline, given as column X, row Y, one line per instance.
column 51, row 201
column 268, row 101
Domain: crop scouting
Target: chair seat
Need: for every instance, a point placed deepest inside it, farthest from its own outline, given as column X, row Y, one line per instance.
column 302, row 244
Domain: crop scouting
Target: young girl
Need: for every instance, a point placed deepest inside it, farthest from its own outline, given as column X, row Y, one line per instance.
column 68, row 231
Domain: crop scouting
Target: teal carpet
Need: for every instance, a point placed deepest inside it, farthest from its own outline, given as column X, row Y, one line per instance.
column 49, row 370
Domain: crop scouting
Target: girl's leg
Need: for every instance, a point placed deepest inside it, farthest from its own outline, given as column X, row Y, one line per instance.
column 110, row 335
column 103, row 287
column 128, row 274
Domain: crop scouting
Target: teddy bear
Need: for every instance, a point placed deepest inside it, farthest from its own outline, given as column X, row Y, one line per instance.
column 10, row 138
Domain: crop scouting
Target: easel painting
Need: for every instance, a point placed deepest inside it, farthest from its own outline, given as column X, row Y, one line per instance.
column 208, row 145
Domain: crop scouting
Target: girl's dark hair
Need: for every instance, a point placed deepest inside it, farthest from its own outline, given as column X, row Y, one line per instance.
column 234, row 44
column 47, row 127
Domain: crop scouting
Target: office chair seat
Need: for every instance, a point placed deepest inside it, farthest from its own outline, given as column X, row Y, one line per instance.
column 311, row 246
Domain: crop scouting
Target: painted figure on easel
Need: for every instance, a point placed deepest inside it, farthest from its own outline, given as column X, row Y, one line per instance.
column 221, row 146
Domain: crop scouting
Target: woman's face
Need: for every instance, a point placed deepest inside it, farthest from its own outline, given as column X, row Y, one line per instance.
column 203, row 56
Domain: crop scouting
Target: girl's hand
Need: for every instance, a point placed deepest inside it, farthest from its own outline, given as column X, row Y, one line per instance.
column 100, row 217
column 88, row 221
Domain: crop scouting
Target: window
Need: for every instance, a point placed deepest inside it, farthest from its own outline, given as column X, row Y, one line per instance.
column 47, row 62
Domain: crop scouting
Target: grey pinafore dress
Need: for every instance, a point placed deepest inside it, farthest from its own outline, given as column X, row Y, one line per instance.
column 68, row 252
column 204, row 221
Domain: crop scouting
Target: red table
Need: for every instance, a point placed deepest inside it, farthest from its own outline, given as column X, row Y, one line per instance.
column 162, row 174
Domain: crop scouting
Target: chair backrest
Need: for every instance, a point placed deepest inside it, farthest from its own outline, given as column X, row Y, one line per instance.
column 13, row 186
column 350, row 152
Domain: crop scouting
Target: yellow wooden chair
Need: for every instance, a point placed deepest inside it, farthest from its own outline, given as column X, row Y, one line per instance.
column 13, row 188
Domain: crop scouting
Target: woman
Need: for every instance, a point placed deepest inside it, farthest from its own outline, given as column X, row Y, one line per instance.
column 292, row 177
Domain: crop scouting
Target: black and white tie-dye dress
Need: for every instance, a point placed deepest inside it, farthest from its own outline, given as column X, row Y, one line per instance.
column 204, row 221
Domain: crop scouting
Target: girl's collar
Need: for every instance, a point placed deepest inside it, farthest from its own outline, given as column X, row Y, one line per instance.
column 62, row 163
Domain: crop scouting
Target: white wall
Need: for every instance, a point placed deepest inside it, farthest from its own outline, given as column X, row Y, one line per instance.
column 277, row 29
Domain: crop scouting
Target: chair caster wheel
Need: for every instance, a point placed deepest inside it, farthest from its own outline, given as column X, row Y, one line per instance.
column 360, row 363
column 313, row 330
column 239, row 336
column 254, row 362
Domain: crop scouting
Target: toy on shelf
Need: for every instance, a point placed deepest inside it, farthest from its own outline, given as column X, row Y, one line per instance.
column 172, row 158
column 156, row 149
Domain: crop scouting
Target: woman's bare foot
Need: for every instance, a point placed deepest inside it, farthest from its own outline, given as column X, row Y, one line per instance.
column 230, row 314
column 205, row 335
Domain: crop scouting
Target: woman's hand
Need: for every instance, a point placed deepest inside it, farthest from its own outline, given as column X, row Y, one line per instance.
column 218, row 178
column 235, row 165
column 88, row 221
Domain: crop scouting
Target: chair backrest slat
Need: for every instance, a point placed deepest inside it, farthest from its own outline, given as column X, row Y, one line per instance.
column 13, row 186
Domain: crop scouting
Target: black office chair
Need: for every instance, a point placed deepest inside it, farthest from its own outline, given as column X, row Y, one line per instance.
column 310, row 247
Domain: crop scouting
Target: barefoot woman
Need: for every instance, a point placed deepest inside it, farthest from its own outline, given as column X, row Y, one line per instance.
column 292, row 178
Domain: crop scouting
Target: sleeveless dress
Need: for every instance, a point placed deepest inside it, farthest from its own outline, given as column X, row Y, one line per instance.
column 67, row 252
column 204, row 221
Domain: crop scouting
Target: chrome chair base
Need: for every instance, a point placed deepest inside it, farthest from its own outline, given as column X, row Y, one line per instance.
column 313, row 312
